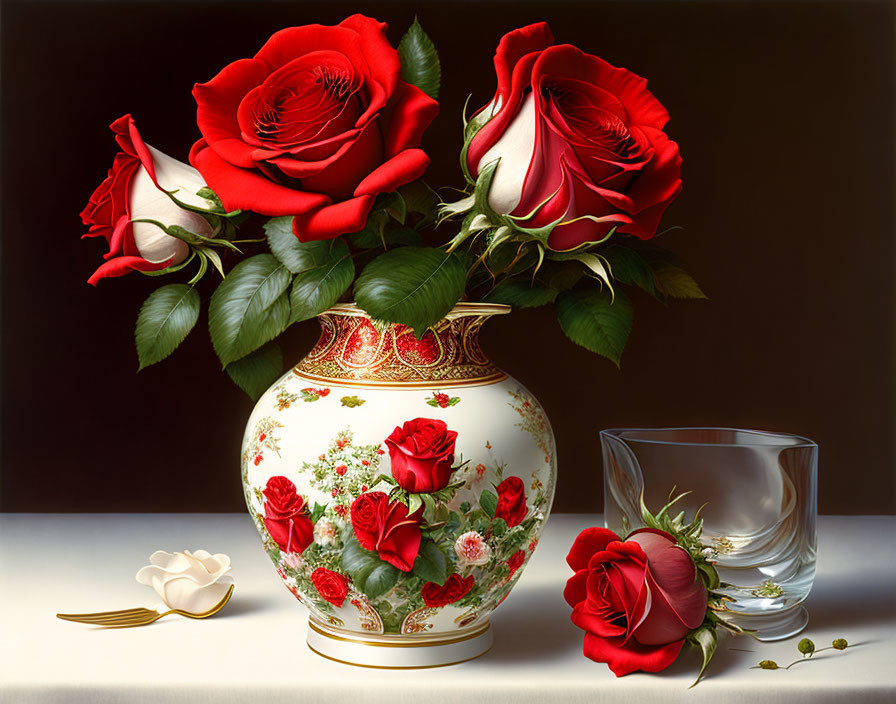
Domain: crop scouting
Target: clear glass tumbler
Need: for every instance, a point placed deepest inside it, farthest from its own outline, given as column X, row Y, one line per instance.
column 759, row 491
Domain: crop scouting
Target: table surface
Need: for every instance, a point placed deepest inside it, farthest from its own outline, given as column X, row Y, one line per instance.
column 254, row 650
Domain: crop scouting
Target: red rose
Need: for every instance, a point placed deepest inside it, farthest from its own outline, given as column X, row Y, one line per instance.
column 331, row 585
column 422, row 452
column 133, row 190
column 636, row 600
column 516, row 561
column 387, row 529
column 511, row 501
column 578, row 137
column 285, row 516
column 454, row 589
column 315, row 125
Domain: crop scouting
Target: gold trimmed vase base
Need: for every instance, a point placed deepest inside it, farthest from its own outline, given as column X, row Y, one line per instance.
column 397, row 652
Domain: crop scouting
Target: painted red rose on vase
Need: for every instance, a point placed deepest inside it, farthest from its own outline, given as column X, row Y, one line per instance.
column 387, row 529
column 422, row 455
column 636, row 599
column 511, row 501
column 332, row 586
column 286, row 515
column 580, row 142
column 135, row 189
column 315, row 125
column 515, row 562
column 454, row 589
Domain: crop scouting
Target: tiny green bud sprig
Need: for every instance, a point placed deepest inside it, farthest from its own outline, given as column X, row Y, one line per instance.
column 807, row 648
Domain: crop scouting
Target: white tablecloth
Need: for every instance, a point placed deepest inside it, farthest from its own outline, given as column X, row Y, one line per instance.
column 255, row 649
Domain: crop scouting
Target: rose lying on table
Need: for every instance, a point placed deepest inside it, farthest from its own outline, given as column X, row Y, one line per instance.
column 639, row 599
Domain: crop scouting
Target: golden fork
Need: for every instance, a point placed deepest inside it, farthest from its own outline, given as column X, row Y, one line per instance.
column 139, row 617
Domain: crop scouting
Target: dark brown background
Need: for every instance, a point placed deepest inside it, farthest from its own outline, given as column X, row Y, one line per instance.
column 785, row 116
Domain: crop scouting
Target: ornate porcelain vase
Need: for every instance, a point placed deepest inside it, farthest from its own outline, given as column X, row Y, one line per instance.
column 399, row 486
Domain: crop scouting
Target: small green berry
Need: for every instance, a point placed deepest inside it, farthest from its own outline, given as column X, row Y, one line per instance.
column 768, row 665
column 806, row 647
column 840, row 644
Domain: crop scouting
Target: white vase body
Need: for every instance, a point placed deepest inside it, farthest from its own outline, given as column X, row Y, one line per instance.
column 323, row 426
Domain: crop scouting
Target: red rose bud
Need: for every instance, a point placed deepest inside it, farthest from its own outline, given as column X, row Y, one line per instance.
column 454, row 589
column 332, row 586
column 636, row 600
column 323, row 392
column 341, row 469
column 422, row 452
column 285, row 516
column 134, row 189
column 585, row 146
column 315, row 125
column 262, row 437
column 511, row 501
column 387, row 529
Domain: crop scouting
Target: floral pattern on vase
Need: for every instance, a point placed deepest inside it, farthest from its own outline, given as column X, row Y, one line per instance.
column 405, row 519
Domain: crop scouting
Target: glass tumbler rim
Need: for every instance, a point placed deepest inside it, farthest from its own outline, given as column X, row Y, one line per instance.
column 784, row 439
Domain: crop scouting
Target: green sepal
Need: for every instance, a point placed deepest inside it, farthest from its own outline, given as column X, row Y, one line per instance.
column 706, row 639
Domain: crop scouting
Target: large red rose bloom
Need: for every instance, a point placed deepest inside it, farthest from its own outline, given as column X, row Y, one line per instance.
column 315, row 125
column 581, row 142
column 636, row 600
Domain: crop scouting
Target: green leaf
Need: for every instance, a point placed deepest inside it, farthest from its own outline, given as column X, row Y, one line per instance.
column 315, row 290
column 249, row 307
column 297, row 256
column 380, row 232
column 421, row 199
column 629, row 267
column 415, row 286
column 317, row 512
column 706, row 639
column 165, row 318
column 521, row 293
column 257, row 371
column 594, row 262
column 370, row 574
column 489, row 502
column 591, row 320
column 676, row 282
column 419, row 61
column 499, row 527
column 431, row 564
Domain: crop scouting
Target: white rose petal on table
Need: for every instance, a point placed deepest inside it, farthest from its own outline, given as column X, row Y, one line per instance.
column 189, row 581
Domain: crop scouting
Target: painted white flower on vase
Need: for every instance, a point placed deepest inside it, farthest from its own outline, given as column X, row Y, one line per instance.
column 190, row 581
column 324, row 532
column 472, row 549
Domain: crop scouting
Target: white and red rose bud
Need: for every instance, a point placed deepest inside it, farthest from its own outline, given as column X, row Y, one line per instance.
column 579, row 144
column 135, row 189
